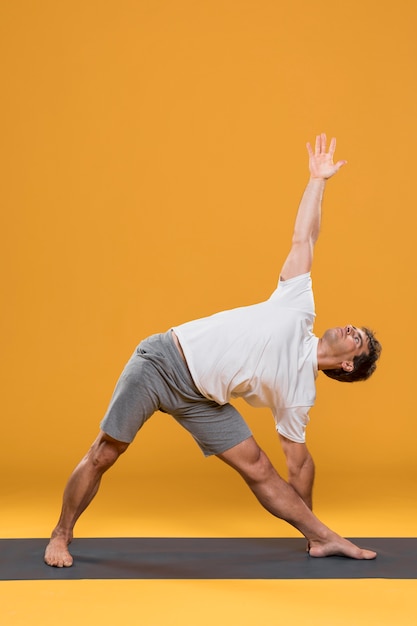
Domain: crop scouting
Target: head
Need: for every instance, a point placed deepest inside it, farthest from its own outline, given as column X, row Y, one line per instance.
column 355, row 352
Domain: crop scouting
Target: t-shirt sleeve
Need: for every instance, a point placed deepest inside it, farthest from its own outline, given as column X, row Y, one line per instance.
column 291, row 423
column 295, row 293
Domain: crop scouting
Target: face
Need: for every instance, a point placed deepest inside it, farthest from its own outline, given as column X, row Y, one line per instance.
column 344, row 343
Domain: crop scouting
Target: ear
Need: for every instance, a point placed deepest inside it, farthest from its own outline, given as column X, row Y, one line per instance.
column 347, row 366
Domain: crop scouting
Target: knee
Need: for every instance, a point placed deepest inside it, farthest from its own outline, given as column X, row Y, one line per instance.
column 105, row 451
column 260, row 469
column 257, row 468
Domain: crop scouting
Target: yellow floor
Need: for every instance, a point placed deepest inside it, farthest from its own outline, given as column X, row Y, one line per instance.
column 204, row 603
column 193, row 506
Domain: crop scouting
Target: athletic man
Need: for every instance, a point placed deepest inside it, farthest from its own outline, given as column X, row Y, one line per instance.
column 265, row 353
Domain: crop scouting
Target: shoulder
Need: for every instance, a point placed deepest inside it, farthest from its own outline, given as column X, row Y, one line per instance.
column 294, row 289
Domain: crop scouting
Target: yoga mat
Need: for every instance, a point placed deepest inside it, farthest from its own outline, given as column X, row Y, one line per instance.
column 204, row 558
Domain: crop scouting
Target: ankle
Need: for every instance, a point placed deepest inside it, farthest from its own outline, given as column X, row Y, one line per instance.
column 62, row 535
column 321, row 537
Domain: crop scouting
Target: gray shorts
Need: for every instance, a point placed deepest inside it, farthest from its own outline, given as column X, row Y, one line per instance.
column 157, row 379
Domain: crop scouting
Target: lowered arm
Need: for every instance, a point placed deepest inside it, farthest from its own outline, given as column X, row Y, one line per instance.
column 301, row 470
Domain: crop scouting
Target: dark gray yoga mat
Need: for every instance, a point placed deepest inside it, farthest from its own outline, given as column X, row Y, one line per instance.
column 204, row 558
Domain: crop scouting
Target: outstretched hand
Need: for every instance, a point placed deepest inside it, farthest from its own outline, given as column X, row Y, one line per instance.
column 321, row 162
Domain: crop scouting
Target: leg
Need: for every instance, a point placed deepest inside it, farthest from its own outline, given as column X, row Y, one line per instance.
column 280, row 499
column 80, row 490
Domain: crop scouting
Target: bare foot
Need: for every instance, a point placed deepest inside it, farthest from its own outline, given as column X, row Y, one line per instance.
column 337, row 546
column 57, row 554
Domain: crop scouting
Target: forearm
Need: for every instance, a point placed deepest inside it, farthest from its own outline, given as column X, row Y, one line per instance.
column 307, row 223
column 302, row 480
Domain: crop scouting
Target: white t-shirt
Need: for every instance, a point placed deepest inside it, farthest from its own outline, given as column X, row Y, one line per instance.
column 265, row 353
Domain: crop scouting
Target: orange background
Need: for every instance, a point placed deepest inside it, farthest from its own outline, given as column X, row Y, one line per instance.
column 153, row 158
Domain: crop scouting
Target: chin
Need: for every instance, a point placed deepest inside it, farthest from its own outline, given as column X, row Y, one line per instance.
column 331, row 334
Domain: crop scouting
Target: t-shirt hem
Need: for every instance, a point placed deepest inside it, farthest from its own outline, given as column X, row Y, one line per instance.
column 290, row 437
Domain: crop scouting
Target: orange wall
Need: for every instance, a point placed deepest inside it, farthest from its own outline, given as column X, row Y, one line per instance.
column 153, row 159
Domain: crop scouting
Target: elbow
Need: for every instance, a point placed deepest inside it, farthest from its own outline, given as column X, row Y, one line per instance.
column 303, row 242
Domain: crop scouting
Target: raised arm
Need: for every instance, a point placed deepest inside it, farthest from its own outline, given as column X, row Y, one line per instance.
column 307, row 223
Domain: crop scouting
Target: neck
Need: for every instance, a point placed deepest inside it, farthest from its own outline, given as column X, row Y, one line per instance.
column 326, row 361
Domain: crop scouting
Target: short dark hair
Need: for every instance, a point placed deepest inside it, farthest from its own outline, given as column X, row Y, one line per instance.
column 363, row 365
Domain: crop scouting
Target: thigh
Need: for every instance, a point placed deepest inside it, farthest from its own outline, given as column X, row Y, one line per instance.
column 134, row 400
column 215, row 428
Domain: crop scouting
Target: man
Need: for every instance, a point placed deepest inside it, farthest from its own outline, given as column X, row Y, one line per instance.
column 265, row 353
